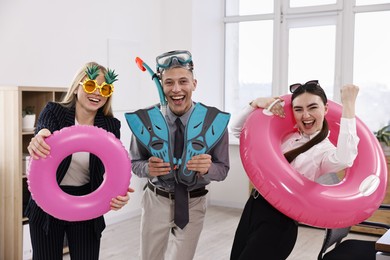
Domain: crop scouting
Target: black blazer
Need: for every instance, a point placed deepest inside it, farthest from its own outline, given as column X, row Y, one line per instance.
column 55, row 117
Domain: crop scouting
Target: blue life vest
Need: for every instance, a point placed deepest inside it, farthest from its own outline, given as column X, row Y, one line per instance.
column 205, row 127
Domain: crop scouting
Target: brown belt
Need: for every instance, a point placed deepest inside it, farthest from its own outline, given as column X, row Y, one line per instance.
column 170, row 195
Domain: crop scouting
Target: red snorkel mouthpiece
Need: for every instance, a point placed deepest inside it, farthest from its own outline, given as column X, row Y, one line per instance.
column 140, row 63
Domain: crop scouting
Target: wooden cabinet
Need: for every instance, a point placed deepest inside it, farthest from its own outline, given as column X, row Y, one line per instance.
column 380, row 215
column 13, row 144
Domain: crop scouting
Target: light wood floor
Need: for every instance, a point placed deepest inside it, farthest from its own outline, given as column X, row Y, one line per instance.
column 120, row 241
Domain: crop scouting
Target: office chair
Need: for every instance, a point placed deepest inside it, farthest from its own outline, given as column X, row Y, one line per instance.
column 350, row 249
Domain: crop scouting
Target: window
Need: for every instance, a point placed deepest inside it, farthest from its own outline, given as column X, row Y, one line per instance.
column 272, row 44
column 371, row 2
column 304, row 3
column 249, row 72
column 372, row 66
column 311, row 56
column 248, row 7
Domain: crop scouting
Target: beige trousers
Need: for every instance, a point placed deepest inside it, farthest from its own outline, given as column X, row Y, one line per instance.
column 161, row 239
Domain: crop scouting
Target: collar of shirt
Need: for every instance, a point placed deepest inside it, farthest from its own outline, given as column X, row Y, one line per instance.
column 171, row 117
column 307, row 137
column 297, row 139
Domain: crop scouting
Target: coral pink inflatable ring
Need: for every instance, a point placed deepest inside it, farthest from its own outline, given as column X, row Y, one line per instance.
column 347, row 203
column 42, row 173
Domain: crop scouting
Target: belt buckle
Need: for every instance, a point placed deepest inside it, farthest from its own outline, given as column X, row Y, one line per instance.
column 153, row 188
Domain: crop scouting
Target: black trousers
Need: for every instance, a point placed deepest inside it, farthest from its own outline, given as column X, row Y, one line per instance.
column 263, row 232
column 83, row 242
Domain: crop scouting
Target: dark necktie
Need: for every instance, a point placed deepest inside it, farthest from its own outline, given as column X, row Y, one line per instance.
column 181, row 193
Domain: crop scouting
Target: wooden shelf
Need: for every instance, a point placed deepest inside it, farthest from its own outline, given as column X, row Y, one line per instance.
column 13, row 144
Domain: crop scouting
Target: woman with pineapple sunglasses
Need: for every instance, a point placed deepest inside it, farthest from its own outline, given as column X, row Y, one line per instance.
column 87, row 102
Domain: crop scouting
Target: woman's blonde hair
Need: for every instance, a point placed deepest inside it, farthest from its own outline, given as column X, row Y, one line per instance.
column 70, row 98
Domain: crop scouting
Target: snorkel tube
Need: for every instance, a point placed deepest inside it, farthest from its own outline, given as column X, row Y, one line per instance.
column 143, row 66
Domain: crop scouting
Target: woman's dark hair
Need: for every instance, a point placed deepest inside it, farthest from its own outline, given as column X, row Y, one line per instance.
column 318, row 91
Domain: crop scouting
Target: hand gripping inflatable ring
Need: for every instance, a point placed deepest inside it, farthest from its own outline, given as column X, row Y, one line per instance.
column 42, row 173
column 347, row 203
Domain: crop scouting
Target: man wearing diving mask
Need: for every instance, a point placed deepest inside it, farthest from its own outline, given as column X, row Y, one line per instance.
column 179, row 153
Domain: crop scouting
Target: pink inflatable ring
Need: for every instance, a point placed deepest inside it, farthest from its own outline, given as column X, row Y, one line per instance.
column 347, row 203
column 42, row 173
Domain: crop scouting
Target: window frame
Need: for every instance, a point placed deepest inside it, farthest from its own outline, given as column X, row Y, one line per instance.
column 284, row 17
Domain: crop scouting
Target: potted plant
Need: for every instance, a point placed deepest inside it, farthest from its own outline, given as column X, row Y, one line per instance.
column 383, row 136
column 28, row 118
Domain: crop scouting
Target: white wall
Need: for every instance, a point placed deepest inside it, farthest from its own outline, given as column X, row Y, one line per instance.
column 208, row 51
column 44, row 42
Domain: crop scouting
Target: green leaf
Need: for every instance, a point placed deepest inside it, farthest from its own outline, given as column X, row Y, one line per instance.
column 383, row 135
column 110, row 76
column 92, row 72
